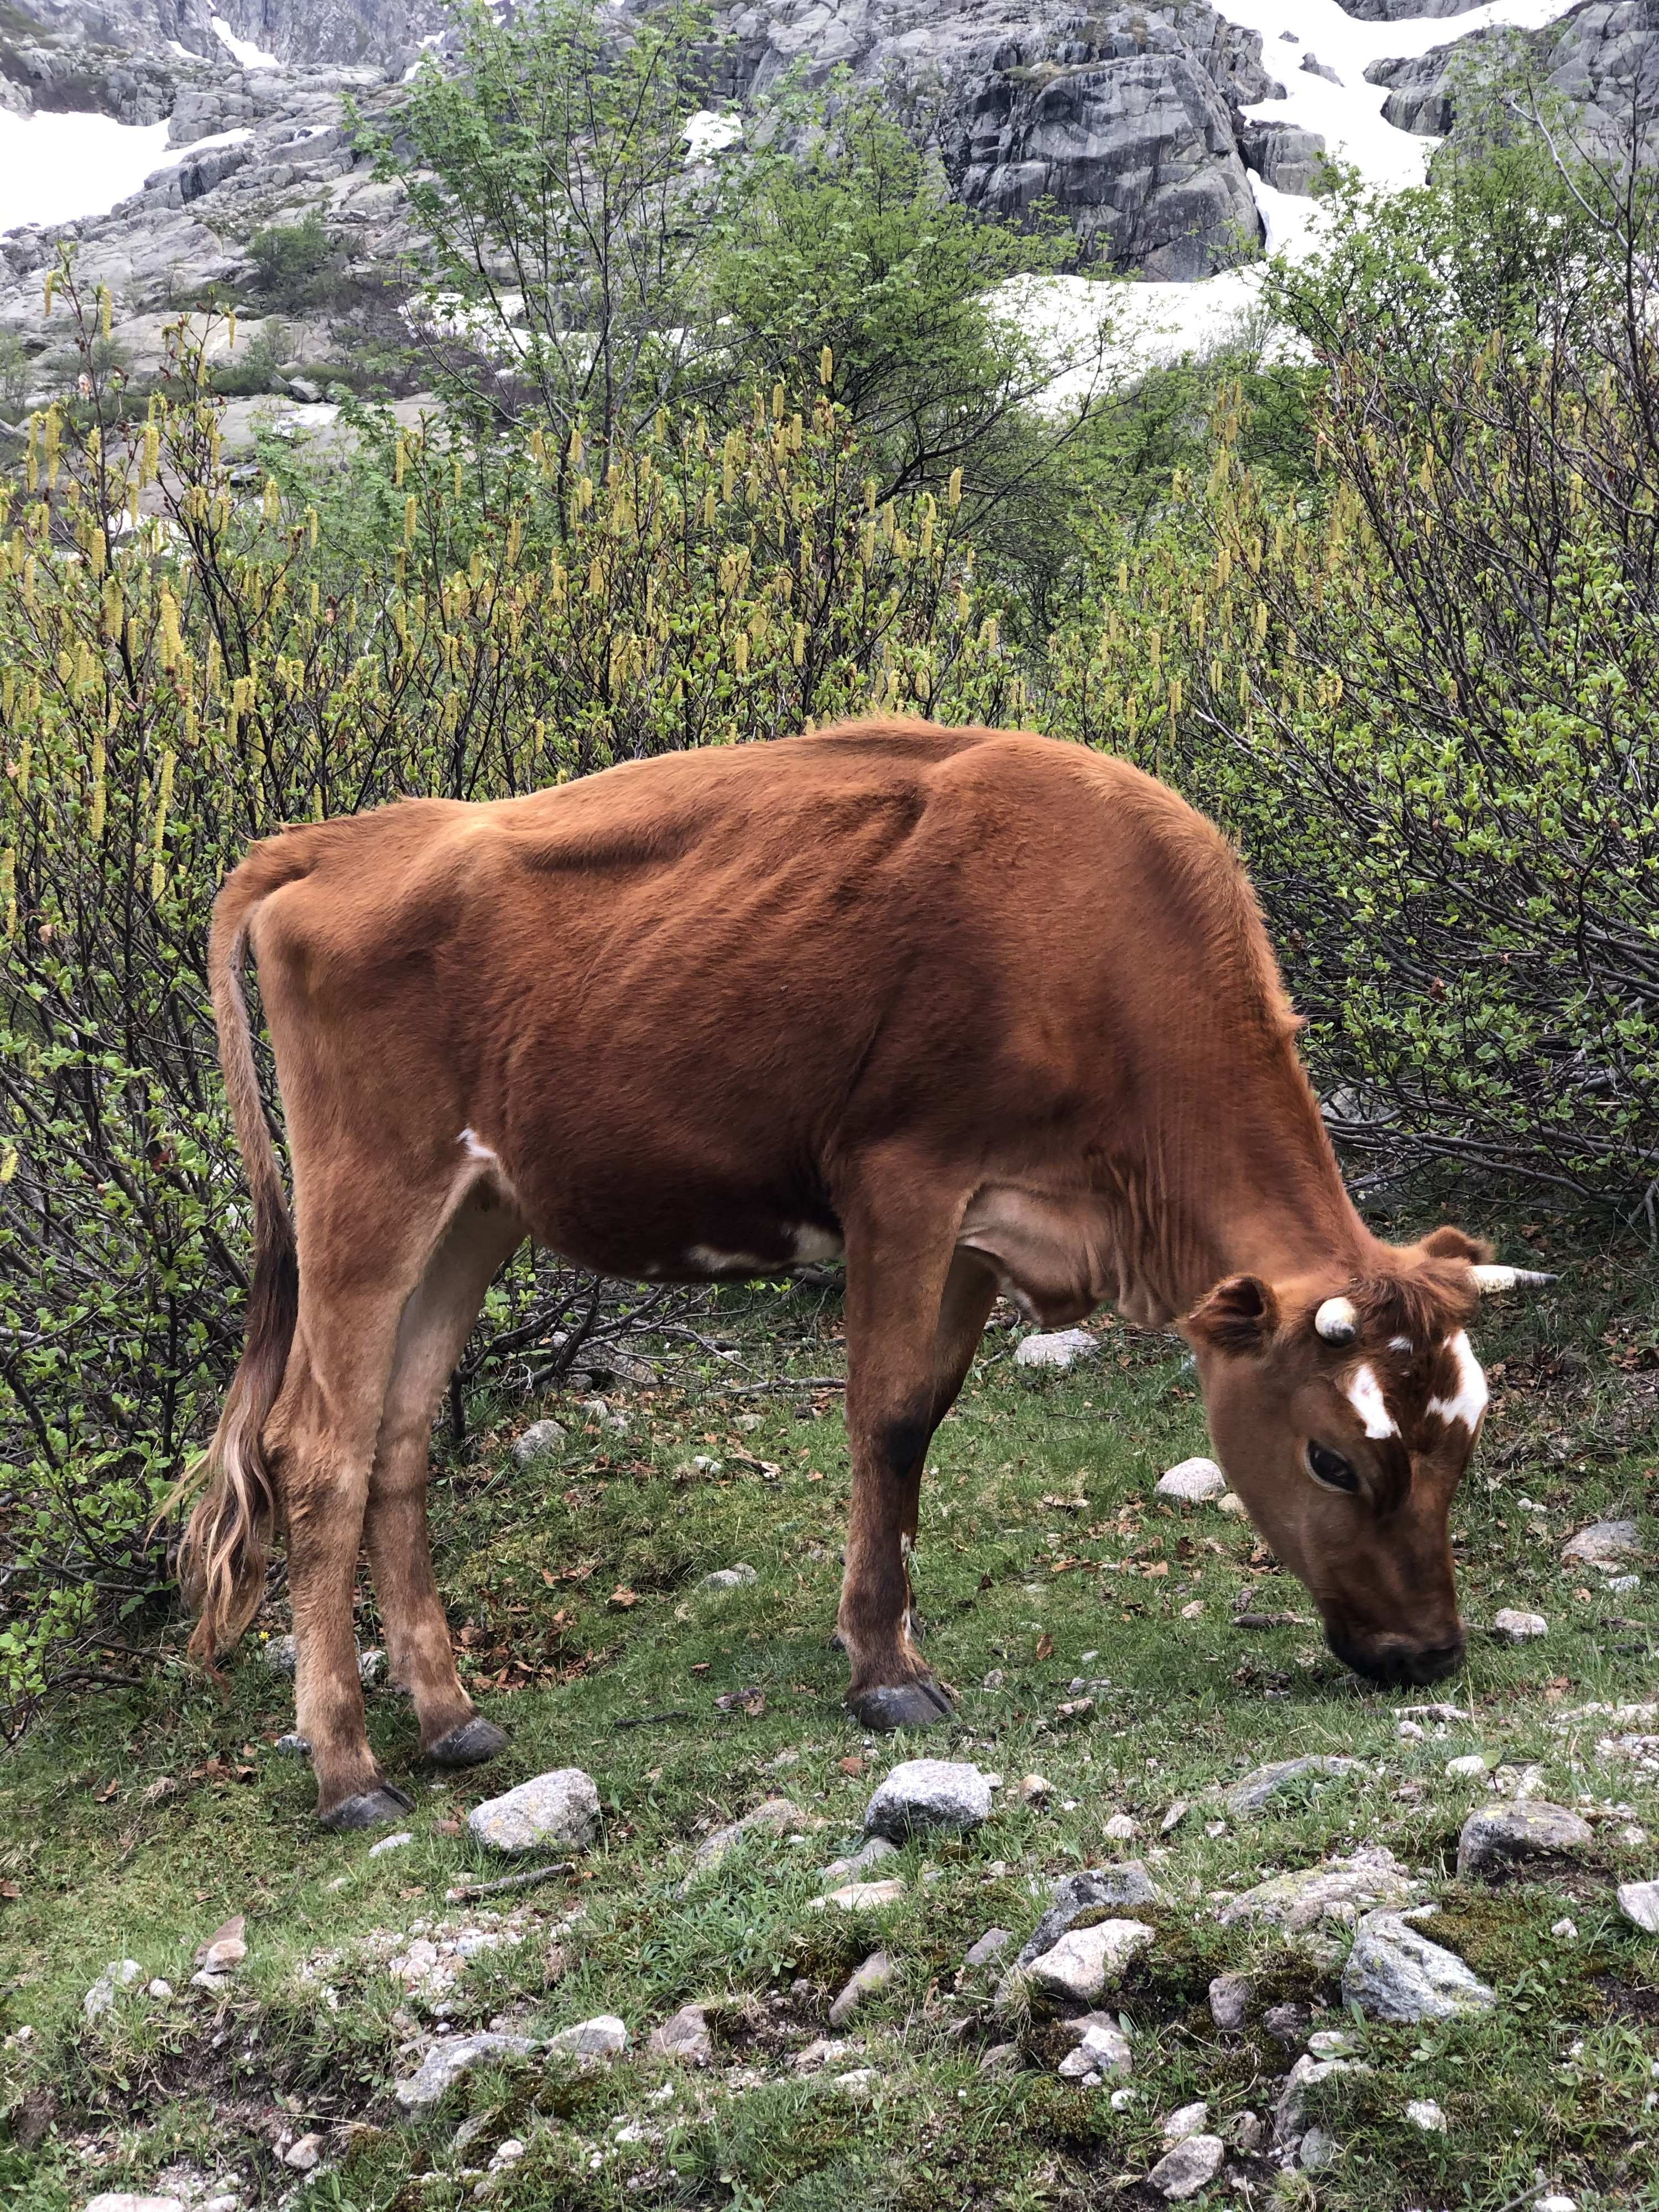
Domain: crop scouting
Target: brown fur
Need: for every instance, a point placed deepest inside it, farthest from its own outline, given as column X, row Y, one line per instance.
column 993, row 1011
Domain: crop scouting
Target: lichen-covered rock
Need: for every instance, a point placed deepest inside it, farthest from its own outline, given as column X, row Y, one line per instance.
column 1088, row 1892
column 1496, row 1838
column 558, row 1811
column 1191, row 2166
column 451, row 2057
column 540, row 1438
column 1086, row 1962
column 1371, row 1877
column 922, row 1796
column 1397, row 1974
column 1230, row 1996
column 774, row 1817
column 1258, row 1788
column 1604, row 1543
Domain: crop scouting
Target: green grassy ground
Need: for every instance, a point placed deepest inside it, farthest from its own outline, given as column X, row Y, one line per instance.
column 132, row 1826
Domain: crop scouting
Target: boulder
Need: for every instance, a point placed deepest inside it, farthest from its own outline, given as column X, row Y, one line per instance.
column 1193, row 1481
column 1604, row 1543
column 1396, row 1973
column 1086, row 1962
column 555, row 1812
column 1498, row 1838
column 1257, row 1789
column 541, row 1437
column 1062, row 1348
column 921, row 1795
column 684, row 2037
column 1372, row 1876
column 1191, row 2166
column 451, row 2057
column 1077, row 1893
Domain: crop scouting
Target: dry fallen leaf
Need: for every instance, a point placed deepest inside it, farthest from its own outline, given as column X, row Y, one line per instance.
column 163, row 1786
column 10, row 1889
column 102, row 1796
column 1045, row 1645
column 624, row 1598
column 852, row 1766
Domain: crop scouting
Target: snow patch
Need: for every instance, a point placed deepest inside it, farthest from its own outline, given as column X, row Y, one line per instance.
column 250, row 56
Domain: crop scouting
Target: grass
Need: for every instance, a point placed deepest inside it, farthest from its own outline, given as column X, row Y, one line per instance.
column 130, row 1826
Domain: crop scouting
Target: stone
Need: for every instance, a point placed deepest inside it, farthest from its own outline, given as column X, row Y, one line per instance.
column 1604, row 1543
column 683, row 2037
column 305, row 2155
column 1565, row 1930
column 159, row 1990
column 1286, row 2023
column 1245, row 2131
column 1086, row 1961
column 1036, row 1789
column 1075, row 1894
column 872, row 1978
column 1257, row 1789
column 448, row 2059
column 1512, row 1627
column 128, row 2200
column 1496, row 1838
column 537, row 1441
column 1372, row 1877
column 860, row 1897
column 923, row 1795
column 1186, row 2120
column 1470, row 1764
column 1319, row 2147
column 870, row 1854
column 1191, row 2166
column 119, row 1974
column 1639, row 1901
column 1396, row 1973
column 293, row 1747
column 725, row 1578
column 1061, row 1348
column 1121, row 1827
column 1290, row 2114
column 1193, row 1481
column 1100, row 2047
column 555, row 1812
column 990, row 1944
column 1229, row 2000
column 280, row 1655
column 1000, row 2058
column 371, row 1668
column 1331, row 2043
column 1555, row 2204
column 226, row 1947
column 775, row 1817
column 602, row 2036
column 859, row 2085
column 1422, row 2112
column 1230, row 1502
column 390, row 1843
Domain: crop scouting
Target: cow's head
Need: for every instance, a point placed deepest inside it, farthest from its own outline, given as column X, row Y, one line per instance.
column 1344, row 1413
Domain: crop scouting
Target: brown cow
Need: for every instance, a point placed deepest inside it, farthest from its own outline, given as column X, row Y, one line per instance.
column 985, row 1010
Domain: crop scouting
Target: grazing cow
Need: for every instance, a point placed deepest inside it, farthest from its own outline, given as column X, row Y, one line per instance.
column 983, row 1011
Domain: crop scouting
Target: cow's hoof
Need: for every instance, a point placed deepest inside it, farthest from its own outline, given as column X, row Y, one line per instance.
column 914, row 1705
column 370, row 1808
column 470, row 1744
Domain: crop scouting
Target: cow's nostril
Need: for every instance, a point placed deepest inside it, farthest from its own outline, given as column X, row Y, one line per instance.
column 1435, row 1661
column 1390, row 1659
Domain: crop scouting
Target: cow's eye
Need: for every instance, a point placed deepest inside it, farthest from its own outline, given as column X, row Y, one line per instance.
column 1330, row 1468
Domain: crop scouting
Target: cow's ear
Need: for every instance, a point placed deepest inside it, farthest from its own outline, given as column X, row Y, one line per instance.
column 1449, row 1244
column 1239, row 1314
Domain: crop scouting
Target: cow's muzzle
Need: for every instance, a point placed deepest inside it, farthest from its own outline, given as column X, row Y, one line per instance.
column 1395, row 1659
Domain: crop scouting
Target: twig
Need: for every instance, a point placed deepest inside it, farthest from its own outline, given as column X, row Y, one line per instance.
column 645, row 1720
column 779, row 1382
column 464, row 1893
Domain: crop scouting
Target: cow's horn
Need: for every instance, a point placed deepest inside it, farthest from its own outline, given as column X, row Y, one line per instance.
column 1510, row 1279
column 1337, row 1321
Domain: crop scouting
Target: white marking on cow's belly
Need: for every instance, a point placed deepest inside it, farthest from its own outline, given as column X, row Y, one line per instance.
column 474, row 1149
column 1470, row 1402
column 816, row 1244
column 1365, row 1394
column 708, row 1262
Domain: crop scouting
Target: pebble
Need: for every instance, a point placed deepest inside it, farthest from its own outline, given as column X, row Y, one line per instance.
column 558, row 1811
column 126, row 2200
column 1193, row 1480
column 1331, row 2043
column 1075, row 1894
column 1086, row 1961
column 1232, row 1503
column 993, row 1940
column 390, row 1843
column 870, row 1978
column 1566, row 1930
column 1246, row 2131
column 1513, row 1627
column 1396, row 1973
column 537, row 1440
column 1253, row 1792
column 683, row 2036
column 1422, row 2112
column 602, row 2036
column 1495, row 1838
column 1034, row 1789
column 1370, row 1877
column 920, row 1795
column 1229, row 2000
column 1190, row 2167
column 1639, row 1901
column 1059, row 1348
column 1120, row 1827
column 446, row 2063
column 1470, row 1763
column 733, row 1577
column 1186, row 2120
column 1601, row 1542
column 159, row 1989
column 995, row 1679
column 119, row 1974
column 1101, row 2048
column 860, row 1897
column 293, row 1747
column 859, row 2085
column 1539, row 2204
column 305, row 2155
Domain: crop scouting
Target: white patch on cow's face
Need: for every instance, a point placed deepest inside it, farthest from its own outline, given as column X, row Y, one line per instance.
column 474, row 1149
column 708, row 1261
column 1365, row 1394
column 1470, row 1401
column 816, row 1244
column 1399, row 1344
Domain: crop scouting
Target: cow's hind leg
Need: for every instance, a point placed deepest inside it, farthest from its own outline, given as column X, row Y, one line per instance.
column 432, row 1334
column 916, row 1310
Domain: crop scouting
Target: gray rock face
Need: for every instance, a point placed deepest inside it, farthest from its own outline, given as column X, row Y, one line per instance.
column 1403, row 11
column 1604, row 1543
column 1257, row 1789
column 1191, row 2166
column 921, row 1796
column 1336, row 1890
column 1498, row 1839
column 1599, row 57
column 1077, row 1893
column 555, row 1812
column 1086, row 1962
column 1398, row 1974
column 683, row 2036
column 447, row 2060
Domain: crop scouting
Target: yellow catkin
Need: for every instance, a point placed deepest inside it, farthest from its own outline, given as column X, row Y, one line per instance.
column 231, row 331
column 152, row 455
column 95, row 819
column 826, row 366
column 8, row 892
column 410, row 509
column 457, row 479
column 397, row 461
column 163, row 804
column 103, row 311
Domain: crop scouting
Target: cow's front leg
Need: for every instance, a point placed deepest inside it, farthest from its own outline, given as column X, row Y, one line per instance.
column 915, row 1309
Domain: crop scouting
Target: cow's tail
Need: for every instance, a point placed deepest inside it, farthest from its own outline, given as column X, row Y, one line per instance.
column 221, row 1556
